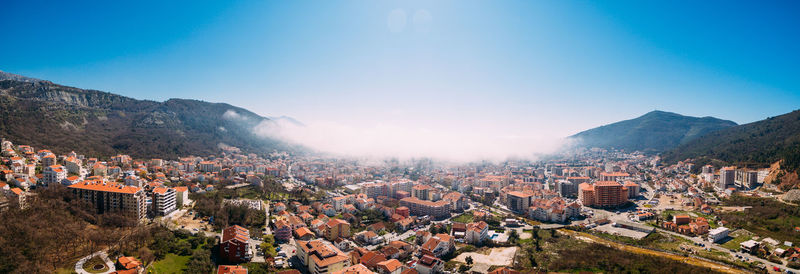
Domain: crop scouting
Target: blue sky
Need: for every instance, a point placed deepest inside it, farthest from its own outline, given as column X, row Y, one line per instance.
column 515, row 68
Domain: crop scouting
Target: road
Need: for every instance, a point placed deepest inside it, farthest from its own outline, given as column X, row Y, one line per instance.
column 688, row 260
column 266, row 210
column 699, row 240
column 769, row 264
column 103, row 255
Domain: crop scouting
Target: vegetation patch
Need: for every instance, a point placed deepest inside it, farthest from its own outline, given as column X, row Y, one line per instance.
column 766, row 218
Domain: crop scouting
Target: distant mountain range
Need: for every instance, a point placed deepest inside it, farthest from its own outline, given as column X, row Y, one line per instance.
column 756, row 144
column 97, row 123
column 653, row 132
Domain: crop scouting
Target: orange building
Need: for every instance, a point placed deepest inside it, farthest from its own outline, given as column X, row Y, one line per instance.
column 603, row 194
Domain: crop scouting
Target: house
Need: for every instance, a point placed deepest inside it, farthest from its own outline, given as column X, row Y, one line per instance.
column 392, row 266
column 459, row 229
column 231, row 269
column 128, row 265
column 369, row 237
column 429, row 265
column 477, row 233
column 233, row 246
column 304, row 234
column 681, row 219
column 422, row 236
column 377, row 227
column 749, row 246
column 370, row 259
column 699, row 226
column 404, row 224
column 438, row 245
column 355, row 269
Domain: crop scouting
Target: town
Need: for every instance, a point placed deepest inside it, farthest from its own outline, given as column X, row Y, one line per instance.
column 283, row 213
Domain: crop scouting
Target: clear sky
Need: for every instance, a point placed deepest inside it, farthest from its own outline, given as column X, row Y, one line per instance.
column 505, row 68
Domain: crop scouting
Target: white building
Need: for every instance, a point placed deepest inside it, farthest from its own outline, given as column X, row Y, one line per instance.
column 477, row 233
column 717, row 234
column 163, row 200
column 53, row 174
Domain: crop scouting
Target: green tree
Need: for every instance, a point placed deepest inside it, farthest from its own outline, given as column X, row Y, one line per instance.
column 469, row 260
column 200, row 262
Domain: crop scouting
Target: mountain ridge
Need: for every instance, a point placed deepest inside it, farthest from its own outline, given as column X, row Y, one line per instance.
column 99, row 123
column 654, row 131
column 756, row 144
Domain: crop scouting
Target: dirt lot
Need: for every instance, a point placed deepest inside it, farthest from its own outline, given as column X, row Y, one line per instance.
column 498, row 256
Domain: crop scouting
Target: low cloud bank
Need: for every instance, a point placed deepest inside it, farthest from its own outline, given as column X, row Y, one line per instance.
column 403, row 142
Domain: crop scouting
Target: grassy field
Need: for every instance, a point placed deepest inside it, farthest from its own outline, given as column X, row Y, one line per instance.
column 464, row 218
column 171, row 263
column 734, row 243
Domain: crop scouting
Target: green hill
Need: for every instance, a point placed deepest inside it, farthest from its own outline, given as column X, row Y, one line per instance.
column 655, row 131
column 756, row 144
column 97, row 123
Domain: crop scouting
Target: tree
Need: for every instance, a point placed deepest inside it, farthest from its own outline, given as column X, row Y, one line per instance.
column 200, row 262
column 146, row 255
column 468, row 260
column 513, row 236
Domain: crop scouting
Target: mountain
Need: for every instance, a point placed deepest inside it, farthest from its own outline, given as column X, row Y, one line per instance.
column 655, row 131
column 756, row 144
column 97, row 123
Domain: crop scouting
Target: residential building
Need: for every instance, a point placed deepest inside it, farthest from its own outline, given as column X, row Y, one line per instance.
column 354, row 269
column 746, row 179
column 112, row 197
column 603, row 194
column 53, row 174
column 163, row 201
column 633, row 189
column 321, row 256
column 231, row 269
column 518, row 202
column 718, row 234
column 392, row 266
column 421, row 192
column 727, row 175
column 283, row 231
column 181, row 196
column 429, row 265
column 233, row 247
column 438, row 209
column 476, row 232
column 336, row 228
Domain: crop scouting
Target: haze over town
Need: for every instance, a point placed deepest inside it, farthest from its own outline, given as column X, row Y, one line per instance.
column 399, row 137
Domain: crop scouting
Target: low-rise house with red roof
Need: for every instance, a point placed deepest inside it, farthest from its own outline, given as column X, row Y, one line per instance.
column 392, row 266
column 429, row 265
column 231, row 269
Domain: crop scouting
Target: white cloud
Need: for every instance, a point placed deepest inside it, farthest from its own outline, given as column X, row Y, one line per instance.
column 232, row 115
